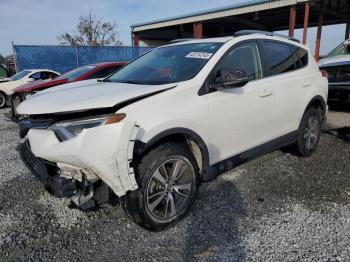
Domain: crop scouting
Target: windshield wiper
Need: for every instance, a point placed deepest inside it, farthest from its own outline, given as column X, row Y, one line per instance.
column 131, row 82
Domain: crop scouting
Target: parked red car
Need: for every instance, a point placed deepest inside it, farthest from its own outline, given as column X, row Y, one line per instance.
column 93, row 71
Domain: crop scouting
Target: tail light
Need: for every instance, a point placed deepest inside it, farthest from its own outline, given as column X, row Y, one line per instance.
column 324, row 73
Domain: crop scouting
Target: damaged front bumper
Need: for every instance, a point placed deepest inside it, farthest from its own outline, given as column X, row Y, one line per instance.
column 83, row 194
column 103, row 153
column 47, row 173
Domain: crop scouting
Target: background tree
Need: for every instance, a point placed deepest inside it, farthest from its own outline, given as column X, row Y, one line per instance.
column 92, row 31
column 8, row 63
column 2, row 59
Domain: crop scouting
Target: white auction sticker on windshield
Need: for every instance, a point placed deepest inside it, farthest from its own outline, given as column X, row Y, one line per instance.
column 201, row 55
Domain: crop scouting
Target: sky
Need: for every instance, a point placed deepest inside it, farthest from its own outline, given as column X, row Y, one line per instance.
column 42, row 21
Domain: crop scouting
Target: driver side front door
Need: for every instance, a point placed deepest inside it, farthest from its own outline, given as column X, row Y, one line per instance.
column 240, row 117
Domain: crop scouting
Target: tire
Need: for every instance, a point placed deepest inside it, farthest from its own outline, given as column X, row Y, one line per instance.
column 163, row 199
column 309, row 133
column 3, row 99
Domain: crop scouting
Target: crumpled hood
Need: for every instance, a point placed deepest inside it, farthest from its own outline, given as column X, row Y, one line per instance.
column 334, row 60
column 85, row 95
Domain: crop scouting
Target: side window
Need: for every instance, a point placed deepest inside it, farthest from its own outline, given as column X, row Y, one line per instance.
column 244, row 57
column 103, row 73
column 279, row 57
column 36, row 76
column 47, row 75
column 303, row 55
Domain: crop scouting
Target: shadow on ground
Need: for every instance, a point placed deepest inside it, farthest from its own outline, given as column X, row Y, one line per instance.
column 342, row 133
column 213, row 233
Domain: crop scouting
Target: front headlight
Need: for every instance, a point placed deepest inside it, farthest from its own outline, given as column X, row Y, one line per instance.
column 69, row 129
column 25, row 96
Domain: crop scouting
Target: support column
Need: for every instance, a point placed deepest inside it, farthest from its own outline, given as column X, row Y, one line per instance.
column 292, row 18
column 136, row 40
column 198, row 30
column 306, row 21
column 319, row 32
column 347, row 32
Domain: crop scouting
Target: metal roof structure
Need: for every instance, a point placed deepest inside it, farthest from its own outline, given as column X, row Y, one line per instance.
column 264, row 15
column 230, row 10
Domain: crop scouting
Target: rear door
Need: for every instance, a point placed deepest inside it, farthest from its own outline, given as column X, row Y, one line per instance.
column 288, row 79
column 240, row 117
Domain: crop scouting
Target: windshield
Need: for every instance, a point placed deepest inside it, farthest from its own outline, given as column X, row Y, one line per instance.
column 76, row 73
column 343, row 49
column 167, row 64
column 20, row 75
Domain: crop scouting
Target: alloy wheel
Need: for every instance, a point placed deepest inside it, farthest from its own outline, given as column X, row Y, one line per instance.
column 312, row 132
column 170, row 188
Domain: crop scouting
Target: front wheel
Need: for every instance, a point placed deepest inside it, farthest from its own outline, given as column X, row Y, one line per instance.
column 168, row 181
column 3, row 99
column 309, row 132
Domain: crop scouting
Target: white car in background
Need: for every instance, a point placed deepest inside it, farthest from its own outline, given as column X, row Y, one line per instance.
column 176, row 116
column 21, row 78
column 337, row 65
column 4, row 79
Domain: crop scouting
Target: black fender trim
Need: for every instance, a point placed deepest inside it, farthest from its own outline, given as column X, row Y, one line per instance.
column 323, row 105
column 140, row 146
column 317, row 98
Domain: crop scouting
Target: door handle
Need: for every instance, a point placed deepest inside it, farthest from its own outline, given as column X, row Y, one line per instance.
column 266, row 93
column 306, row 85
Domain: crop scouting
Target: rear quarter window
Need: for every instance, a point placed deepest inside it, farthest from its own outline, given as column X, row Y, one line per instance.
column 303, row 56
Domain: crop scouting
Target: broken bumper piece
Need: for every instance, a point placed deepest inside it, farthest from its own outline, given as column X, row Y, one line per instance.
column 46, row 173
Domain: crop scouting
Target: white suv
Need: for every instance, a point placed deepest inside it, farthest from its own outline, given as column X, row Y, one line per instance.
column 176, row 116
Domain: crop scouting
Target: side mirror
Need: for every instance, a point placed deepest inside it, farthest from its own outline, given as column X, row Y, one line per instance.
column 230, row 78
column 29, row 80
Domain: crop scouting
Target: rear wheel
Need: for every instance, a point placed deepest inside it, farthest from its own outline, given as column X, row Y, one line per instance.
column 309, row 132
column 3, row 98
column 168, row 181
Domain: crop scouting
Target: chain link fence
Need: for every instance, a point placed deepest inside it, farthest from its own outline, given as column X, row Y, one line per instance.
column 65, row 58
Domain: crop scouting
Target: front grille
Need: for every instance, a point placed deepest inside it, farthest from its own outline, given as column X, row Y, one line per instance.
column 26, row 124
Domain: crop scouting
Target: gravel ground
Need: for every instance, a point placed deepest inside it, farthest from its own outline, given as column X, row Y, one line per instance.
column 276, row 208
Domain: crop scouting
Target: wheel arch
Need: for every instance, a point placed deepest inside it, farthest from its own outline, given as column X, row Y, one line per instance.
column 5, row 95
column 191, row 138
column 3, row 92
column 319, row 103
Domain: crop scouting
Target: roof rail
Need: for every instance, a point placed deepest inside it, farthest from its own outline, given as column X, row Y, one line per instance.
column 251, row 32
